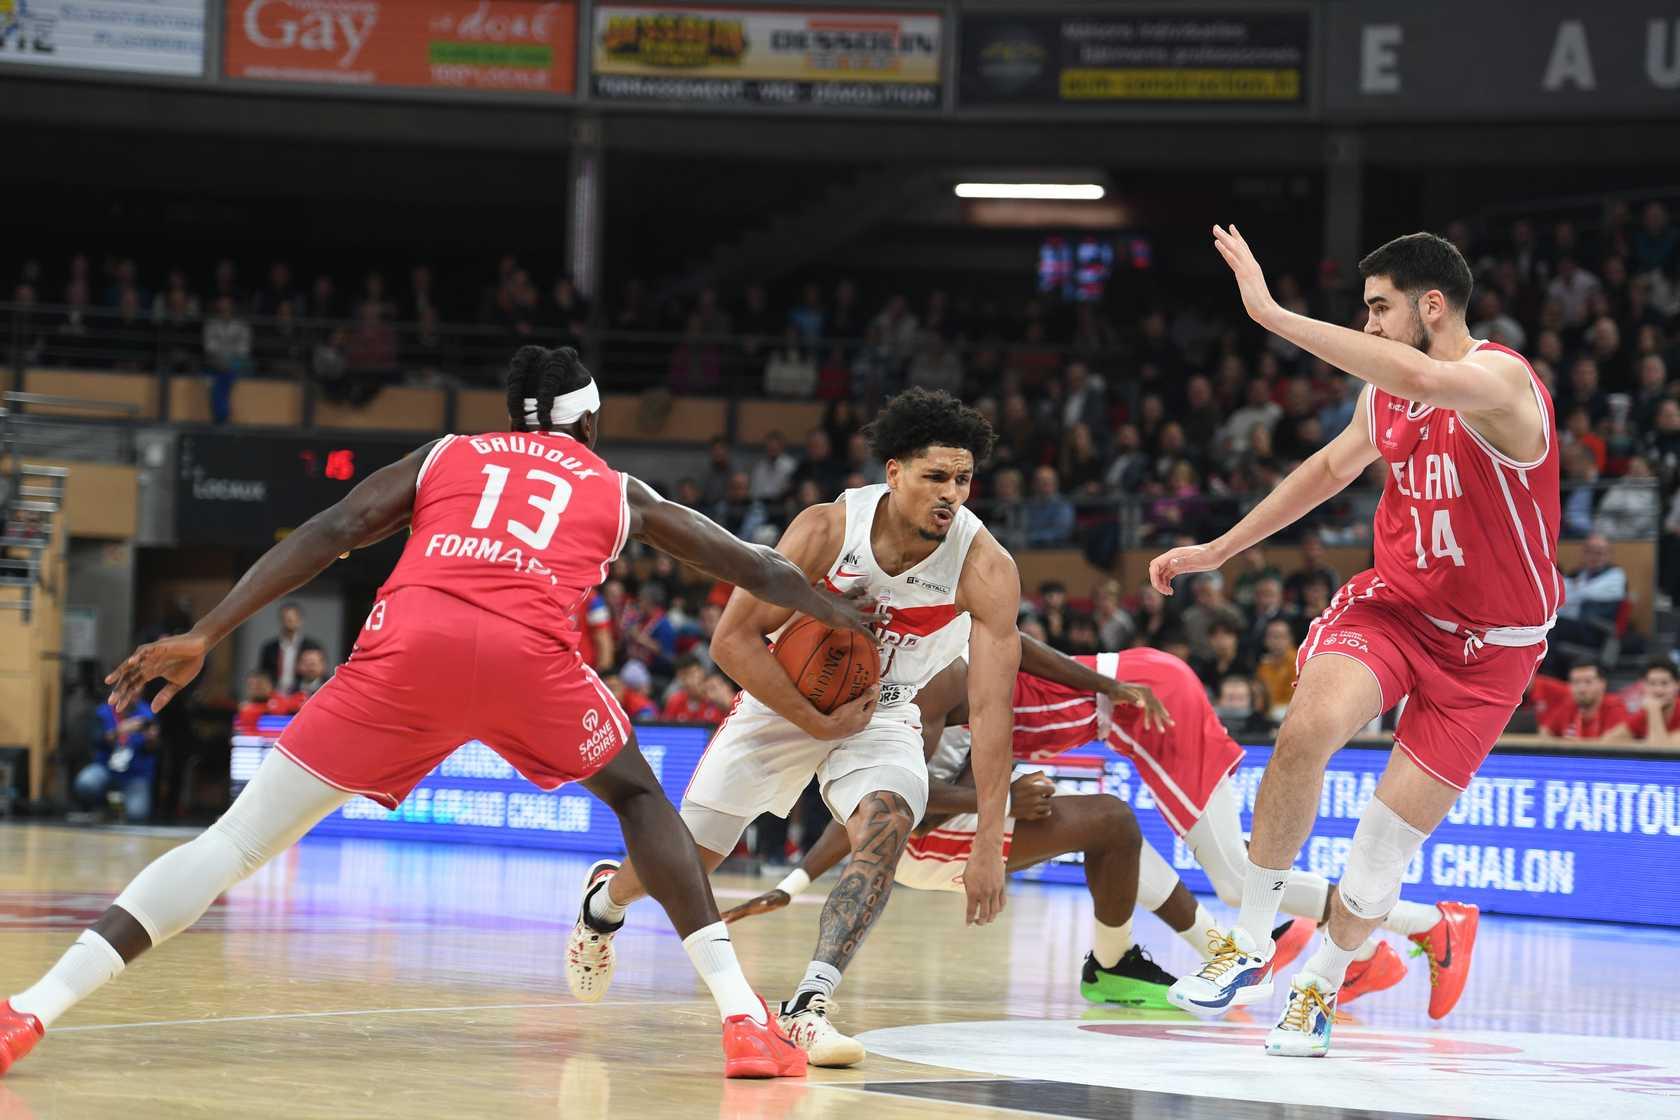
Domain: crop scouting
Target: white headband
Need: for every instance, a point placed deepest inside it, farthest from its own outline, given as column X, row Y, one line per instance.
column 568, row 407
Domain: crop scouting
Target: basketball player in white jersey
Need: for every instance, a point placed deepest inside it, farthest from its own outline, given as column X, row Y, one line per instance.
column 925, row 561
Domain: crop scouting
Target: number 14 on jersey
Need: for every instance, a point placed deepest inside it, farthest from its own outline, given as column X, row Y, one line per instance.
column 1442, row 544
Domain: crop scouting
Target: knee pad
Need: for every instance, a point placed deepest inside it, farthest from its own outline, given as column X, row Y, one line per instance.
column 712, row 830
column 1383, row 845
column 1156, row 878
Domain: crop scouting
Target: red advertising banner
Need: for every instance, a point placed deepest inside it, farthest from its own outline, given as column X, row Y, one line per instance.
column 435, row 44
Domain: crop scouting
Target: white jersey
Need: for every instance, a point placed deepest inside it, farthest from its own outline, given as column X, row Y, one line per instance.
column 920, row 628
column 951, row 755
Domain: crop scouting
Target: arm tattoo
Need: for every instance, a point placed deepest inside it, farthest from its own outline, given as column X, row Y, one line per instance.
column 860, row 896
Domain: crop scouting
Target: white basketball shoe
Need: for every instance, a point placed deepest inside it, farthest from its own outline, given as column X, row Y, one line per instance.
column 1239, row 973
column 804, row 1019
column 589, row 949
column 1303, row 1031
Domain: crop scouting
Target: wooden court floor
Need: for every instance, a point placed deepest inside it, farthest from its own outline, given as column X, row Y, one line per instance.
column 368, row 979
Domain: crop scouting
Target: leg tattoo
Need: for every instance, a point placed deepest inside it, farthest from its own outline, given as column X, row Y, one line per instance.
column 880, row 828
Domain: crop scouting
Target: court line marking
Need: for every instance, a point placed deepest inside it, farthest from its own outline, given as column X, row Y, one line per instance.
column 368, row 1011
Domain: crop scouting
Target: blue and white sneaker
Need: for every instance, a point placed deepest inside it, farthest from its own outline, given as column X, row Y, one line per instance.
column 1237, row 974
column 1304, row 1029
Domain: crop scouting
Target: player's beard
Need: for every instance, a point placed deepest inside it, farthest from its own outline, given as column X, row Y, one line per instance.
column 935, row 535
column 1421, row 340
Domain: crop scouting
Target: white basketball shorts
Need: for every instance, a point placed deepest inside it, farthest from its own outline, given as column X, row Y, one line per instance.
column 758, row 762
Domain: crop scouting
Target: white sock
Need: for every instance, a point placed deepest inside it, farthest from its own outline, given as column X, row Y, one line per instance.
column 714, row 959
column 1331, row 961
column 1197, row 935
column 603, row 911
column 1109, row 943
column 1408, row 918
column 1366, row 951
column 819, row 978
column 85, row 967
column 1262, row 894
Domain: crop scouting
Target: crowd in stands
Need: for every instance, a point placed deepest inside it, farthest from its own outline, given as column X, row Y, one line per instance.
column 1178, row 408
column 1180, row 414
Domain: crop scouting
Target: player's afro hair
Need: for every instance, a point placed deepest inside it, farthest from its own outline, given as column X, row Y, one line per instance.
column 542, row 374
column 917, row 419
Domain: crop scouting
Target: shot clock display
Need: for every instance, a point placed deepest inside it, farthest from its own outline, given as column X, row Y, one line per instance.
column 251, row 489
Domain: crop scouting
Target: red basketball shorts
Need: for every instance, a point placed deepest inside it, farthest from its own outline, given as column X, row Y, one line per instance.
column 431, row 672
column 1459, row 697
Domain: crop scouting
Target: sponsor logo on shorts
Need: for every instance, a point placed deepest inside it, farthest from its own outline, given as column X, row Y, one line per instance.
column 591, row 720
column 894, row 694
column 1349, row 638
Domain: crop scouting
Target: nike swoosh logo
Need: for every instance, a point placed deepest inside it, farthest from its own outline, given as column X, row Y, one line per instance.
column 1446, row 957
column 842, row 573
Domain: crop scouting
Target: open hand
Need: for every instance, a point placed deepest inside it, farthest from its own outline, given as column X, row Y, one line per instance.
column 852, row 611
column 766, row 903
column 1251, row 280
column 177, row 660
column 1155, row 714
column 1181, row 561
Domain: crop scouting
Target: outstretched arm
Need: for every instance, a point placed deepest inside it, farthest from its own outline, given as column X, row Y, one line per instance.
column 1481, row 382
column 831, row 847
column 1053, row 665
column 761, row 572
column 990, row 591
column 1326, row 473
column 379, row 506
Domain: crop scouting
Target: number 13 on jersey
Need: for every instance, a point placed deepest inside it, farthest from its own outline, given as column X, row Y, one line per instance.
column 550, row 506
column 1442, row 544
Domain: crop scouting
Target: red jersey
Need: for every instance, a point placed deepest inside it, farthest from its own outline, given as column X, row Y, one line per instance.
column 518, row 524
column 1567, row 721
column 1639, row 724
column 1549, row 696
column 1181, row 765
column 1463, row 532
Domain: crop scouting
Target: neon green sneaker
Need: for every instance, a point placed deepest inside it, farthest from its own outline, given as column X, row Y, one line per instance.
column 1135, row 981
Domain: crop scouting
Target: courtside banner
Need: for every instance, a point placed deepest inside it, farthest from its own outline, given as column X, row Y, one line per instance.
column 1543, row 834
column 843, row 59
column 1178, row 56
column 132, row 36
column 518, row 45
column 1549, row 835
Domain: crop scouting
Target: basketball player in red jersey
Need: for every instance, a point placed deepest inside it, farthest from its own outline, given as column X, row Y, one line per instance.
column 467, row 640
column 1453, row 617
column 940, row 582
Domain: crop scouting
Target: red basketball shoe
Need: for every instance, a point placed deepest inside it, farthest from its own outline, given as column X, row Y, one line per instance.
column 752, row 1049
column 1383, row 970
column 1448, row 945
column 19, row 1033
column 1290, row 939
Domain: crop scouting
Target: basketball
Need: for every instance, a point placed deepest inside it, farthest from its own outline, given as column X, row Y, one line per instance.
column 830, row 667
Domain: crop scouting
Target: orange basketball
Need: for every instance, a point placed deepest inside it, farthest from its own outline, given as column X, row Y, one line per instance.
column 829, row 667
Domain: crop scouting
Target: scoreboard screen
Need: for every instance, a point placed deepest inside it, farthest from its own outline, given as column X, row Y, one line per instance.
column 250, row 489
